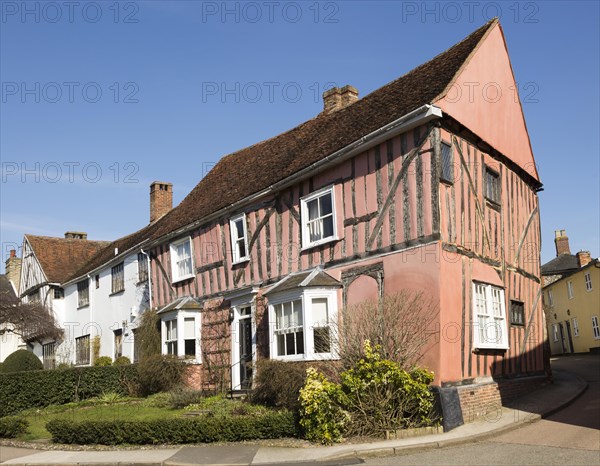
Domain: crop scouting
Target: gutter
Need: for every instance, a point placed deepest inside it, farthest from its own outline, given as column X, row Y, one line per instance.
column 411, row 120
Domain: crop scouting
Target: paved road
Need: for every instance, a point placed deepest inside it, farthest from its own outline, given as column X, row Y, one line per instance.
column 570, row 436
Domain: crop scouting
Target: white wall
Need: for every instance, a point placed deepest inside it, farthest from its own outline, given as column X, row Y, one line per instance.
column 106, row 312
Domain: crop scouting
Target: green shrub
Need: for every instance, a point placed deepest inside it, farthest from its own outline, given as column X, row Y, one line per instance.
column 220, row 406
column 202, row 429
column 158, row 400
column 375, row 396
column 103, row 361
column 12, row 426
column 110, row 397
column 19, row 391
column 159, row 373
column 278, row 383
column 180, row 397
column 20, row 361
column 122, row 361
column 321, row 414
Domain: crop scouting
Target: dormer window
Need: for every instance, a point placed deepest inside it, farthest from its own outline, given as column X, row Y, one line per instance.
column 318, row 218
column 239, row 239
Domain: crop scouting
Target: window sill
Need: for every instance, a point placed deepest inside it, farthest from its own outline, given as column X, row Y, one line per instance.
column 517, row 325
column 182, row 279
column 322, row 242
column 446, row 182
column 241, row 262
column 141, row 282
column 115, row 293
column 487, row 349
column 493, row 204
column 83, row 306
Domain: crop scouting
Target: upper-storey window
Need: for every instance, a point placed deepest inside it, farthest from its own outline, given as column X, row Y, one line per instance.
column 83, row 293
column 239, row 238
column 447, row 173
column 117, row 274
column 570, row 289
column 489, row 317
column 182, row 264
column 588, row 281
column 142, row 262
column 492, row 185
column 318, row 218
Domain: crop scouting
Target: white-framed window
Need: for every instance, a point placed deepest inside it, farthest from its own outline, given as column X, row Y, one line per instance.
column 181, row 334
column 575, row 326
column 49, row 355
column 447, row 172
column 82, row 350
column 117, row 275
column 182, row 263
column 302, row 324
column 142, row 262
column 239, row 238
column 489, row 317
column 588, row 281
column 555, row 332
column 570, row 289
column 595, row 327
column 318, row 218
column 83, row 293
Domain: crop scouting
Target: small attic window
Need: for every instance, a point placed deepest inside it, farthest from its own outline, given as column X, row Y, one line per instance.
column 492, row 185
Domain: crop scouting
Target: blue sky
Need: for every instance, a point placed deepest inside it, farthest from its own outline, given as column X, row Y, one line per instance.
column 101, row 98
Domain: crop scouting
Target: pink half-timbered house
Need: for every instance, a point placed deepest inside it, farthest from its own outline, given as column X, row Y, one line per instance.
column 428, row 183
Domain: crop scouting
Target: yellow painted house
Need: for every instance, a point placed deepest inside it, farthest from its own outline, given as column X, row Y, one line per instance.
column 571, row 294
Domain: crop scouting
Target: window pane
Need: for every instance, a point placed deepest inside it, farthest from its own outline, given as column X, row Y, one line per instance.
column 313, row 209
column 289, row 343
column 319, row 311
column 190, row 347
column 241, row 248
column 281, row 345
column 326, row 207
column 298, row 322
column 328, row 227
column 189, row 330
column 300, row 342
column 322, row 340
column 287, row 315
column 239, row 228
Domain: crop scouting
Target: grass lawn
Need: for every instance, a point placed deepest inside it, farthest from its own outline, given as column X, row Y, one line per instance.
column 38, row 417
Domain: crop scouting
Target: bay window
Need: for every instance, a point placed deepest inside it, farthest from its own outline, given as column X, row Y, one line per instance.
column 181, row 334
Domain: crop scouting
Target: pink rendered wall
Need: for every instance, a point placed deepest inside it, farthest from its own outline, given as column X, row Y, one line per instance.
column 485, row 87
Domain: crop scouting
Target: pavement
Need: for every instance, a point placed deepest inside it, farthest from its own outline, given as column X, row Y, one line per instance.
column 537, row 405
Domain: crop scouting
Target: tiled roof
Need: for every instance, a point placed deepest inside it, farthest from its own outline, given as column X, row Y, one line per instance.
column 310, row 278
column 560, row 264
column 7, row 292
column 257, row 167
column 60, row 257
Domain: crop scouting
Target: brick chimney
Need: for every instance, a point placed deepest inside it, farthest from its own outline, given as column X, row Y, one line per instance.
column 161, row 199
column 336, row 98
column 76, row 235
column 561, row 240
column 13, row 269
column 583, row 258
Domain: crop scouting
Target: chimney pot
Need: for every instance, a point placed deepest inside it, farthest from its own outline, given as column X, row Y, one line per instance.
column 583, row 258
column 561, row 240
column 161, row 199
column 13, row 253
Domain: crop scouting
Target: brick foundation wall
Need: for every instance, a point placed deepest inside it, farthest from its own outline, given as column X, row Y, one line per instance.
column 487, row 398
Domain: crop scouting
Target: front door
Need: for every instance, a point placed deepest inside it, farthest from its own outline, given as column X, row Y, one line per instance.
column 243, row 349
column 562, row 338
column 568, row 325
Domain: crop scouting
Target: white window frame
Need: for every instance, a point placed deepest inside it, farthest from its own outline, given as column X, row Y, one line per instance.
column 595, row 328
column 305, row 296
column 486, row 313
column 83, row 299
column 555, row 332
column 179, row 318
column 575, row 327
column 306, row 242
column 588, row 281
column 175, row 277
column 570, row 289
column 235, row 240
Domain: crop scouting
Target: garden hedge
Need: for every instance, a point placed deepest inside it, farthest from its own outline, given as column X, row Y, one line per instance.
column 12, row 426
column 204, row 429
column 23, row 390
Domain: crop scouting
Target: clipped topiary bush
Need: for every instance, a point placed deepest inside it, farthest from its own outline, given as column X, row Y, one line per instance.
column 122, row 361
column 21, row 361
column 159, row 373
column 12, row 426
column 202, row 429
column 278, row 383
column 103, row 361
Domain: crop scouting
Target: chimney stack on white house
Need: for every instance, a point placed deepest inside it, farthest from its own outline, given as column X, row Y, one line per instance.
column 12, row 267
column 336, row 98
column 161, row 199
column 76, row 235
